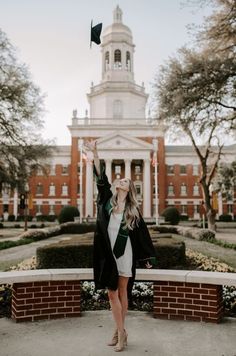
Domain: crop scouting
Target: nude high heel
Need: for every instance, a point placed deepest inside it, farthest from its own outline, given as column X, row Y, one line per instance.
column 114, row 339
column 122, row 341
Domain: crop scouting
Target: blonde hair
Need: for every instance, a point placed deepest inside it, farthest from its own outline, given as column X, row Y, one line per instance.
column 131, row 212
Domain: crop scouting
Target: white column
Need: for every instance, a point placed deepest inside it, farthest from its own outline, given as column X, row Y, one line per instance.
column 147, row 189
column 128, row 168
column 108, row 169
column 15, row 202
column 89, row 188
column 220, row 204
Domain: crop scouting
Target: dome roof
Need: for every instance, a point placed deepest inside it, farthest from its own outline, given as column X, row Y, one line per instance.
column 117, row 27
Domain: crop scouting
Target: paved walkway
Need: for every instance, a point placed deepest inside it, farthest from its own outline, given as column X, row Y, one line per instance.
column 17, row 254
column 87, row 336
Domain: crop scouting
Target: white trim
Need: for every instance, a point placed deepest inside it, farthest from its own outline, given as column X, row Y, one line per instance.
column 217, row 278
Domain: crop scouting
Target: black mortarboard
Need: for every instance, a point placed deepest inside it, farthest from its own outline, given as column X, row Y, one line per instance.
column 95, row 33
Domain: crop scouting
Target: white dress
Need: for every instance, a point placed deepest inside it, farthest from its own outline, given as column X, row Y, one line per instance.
column 124, row 262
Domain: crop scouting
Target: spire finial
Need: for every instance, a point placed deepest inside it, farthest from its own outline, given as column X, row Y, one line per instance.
column 117, row 15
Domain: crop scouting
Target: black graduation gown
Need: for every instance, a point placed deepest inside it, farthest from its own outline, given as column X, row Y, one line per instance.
column 104, row 264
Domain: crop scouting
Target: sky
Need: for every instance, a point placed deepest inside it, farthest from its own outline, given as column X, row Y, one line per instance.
column 53, row 38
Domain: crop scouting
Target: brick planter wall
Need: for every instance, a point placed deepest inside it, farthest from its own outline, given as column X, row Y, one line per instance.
column 45, row 300
column 188, row 301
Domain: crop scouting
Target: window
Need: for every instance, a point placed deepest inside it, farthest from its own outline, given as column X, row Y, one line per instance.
column 117, row 169
column 117, row 56
column 107, row 57
column 39, row 189
column 64, row 189
column 38, row 210
column 196, row 189
column 183, row 170
column 170, row 189
column 183, row 189
column 52, row 189
column 64, row 169
column 128, row 67
column 39, row 171
column 195, row 170
column 230, row 208
column 137, row 169
column 52, row 170
column 138, row 188
column 196, row 209
column 184, row 209
column 107, row 60
column 170, row 169
column 51, row 210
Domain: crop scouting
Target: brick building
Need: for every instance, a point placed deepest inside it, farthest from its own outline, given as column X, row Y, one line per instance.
column 130, row 144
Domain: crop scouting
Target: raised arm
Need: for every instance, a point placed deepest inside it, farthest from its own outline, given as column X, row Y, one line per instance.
column 103, row 184
column 92, row 146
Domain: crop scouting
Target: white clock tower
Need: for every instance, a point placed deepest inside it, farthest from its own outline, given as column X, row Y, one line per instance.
column 117, row 96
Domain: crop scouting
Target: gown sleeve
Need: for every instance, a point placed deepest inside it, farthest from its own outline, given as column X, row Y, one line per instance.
column 145, row 249
column 103, row 185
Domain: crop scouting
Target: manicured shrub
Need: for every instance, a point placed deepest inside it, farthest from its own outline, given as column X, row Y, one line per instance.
column 184, row 217
column 225, row 218
column 78, row 253
column 77, row 228
column 51, row 218
column 1, row 226
column 68, row 213
column 170, row 252
column 74, row 253
column 11, row 217
column 171, row 215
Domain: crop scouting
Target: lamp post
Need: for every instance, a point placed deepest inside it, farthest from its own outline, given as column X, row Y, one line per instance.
column 81, row 180
column 26, row 205
column 154, row 141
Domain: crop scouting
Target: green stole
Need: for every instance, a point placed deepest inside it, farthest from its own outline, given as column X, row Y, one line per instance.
column 122, row 236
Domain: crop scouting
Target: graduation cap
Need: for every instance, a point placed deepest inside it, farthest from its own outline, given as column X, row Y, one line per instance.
column 95, row 33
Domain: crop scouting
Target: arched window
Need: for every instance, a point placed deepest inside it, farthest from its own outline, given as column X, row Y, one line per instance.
column 107, row 60
column 171, row 189
column 196, row 189
column 117, row 109
column 117, row 59
column 52, row 189
column 107, row 57
column 64, row 190
column 117, row 56
column 183, row 189
column 39, row 189
column 128, row 63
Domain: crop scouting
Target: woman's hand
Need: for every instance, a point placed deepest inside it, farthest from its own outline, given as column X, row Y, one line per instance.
column 147, row 265
column 91, row 146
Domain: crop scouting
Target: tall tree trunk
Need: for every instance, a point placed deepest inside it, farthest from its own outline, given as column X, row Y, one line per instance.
column 211, row 215
column 210, row 212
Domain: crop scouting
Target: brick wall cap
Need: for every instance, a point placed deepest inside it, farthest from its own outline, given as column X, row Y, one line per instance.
column 216, row 278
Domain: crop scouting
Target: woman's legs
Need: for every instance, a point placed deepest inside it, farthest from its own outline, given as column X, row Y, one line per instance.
column 123, row 295
column 116, row 308
column 119, row 302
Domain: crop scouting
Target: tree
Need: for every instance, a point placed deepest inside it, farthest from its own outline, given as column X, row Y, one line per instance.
column 21, row 107
column 195, row 92
column 225, row 180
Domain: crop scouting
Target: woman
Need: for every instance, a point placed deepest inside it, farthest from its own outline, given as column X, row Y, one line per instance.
column 121, row 238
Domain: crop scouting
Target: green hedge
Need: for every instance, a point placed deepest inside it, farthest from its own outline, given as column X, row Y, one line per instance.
column 170, row 253
column 172, row 215
column 78, row 253
column 74, row 253
column 225, row 217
